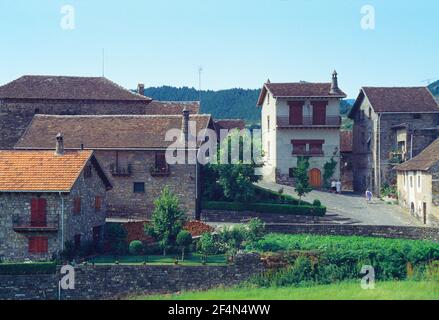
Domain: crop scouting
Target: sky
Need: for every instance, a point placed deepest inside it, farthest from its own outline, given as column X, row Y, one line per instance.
column 238, row 43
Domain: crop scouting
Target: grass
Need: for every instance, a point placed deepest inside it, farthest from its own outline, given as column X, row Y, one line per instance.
column 193, row 260
column 392, row 290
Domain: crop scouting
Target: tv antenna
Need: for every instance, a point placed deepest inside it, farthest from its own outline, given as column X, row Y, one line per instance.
column 200, row 71
column 103, row 62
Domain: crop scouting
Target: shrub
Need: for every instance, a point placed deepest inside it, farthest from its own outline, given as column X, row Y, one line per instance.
column 115, row 237
column 255, row 230
column 317, row 203
column 184, row 240
column 305, row 210
column 136, row 247
column 343, row 257
column 207, row 244
column 27, row 268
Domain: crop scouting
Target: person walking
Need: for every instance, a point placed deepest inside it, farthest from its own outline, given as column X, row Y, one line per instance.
column 333, row 186
column 368, row 195
column 338, row 187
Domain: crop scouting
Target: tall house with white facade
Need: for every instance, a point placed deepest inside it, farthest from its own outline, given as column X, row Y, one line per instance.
column 300, row 120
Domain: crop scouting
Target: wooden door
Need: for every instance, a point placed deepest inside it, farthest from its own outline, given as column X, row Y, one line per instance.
column 315, row 178
column 38, row 212
column 296, row 112
column 319, row 112
column 424, row 212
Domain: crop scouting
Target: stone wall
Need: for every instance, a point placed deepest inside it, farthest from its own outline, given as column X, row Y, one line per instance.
column 244, row 216
column 123, row 202
column 415, row 233
column 14, row 245
column 115, row 281
column 15, row 115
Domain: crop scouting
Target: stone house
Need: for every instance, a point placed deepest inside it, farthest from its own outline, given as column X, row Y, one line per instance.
column 131, row 150
column 391, row 125
column 22, row 98
column 346, row 160
column 48, row 198
column 300, row 119
column 418, row 185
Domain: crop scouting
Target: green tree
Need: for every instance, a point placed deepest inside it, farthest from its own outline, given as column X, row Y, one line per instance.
column 302, row 185
column 328, row 172
column 233, row 179
column 207, row 245
column 184, row 240
column 167, row 220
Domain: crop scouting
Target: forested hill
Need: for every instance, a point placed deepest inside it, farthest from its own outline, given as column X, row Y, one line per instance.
column 434, row 88
column 223, row 104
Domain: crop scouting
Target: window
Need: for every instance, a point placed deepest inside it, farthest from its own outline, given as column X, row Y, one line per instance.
column 38, row 245
column 268, row 98
column 77, row 205
column 38, row 213
column 268, row 123
column 268, row 149
column 370, row 113
column 139, row 187
column 160, row 162
column 419, row 181
column 77, row 241
column 316, row 148
column 88, row 172
column 98, row 203
column 299, row 148
column 37, row 111
column 411, row 181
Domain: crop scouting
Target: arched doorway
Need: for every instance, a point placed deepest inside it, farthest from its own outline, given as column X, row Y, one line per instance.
column 315, row 178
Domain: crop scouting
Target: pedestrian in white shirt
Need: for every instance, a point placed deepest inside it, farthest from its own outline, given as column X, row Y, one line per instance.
column 338, row 186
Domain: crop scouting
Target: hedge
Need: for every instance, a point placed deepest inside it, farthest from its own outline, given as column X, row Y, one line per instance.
column 269, row 196
column 27, row 268
column 304, row 210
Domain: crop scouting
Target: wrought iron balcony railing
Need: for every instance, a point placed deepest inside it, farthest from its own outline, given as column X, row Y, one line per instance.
column 122, row 171
column 27, row 224
column 308, row 121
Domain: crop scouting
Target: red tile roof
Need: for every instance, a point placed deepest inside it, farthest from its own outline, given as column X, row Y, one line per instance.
column 35, row 171
column 346, row 140
column 105, row 132
column 172, row 107
column 68, row 88
column 230, row 124
column 397, row 99
column 423, row 161
column 299, row 90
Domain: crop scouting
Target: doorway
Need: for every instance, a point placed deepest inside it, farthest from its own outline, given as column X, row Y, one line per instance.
column 315, row 178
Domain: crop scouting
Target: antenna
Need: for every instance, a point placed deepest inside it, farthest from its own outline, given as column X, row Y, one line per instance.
column 103, row 62
column 200, row 71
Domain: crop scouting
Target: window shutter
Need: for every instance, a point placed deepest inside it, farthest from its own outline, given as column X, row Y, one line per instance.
column 296, row 112
column 38, row 245
column 77, row 205
column 319, row 112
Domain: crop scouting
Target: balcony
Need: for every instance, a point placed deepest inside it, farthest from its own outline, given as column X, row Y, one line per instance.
column 27, row 225
column 308, row 121
column 120, row 171
column 160, row 171
column 397, row 157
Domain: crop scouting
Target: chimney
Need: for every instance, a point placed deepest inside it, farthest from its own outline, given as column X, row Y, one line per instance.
column 334, row 84
column 59, row 145
column 185, row 125
column 141, row 89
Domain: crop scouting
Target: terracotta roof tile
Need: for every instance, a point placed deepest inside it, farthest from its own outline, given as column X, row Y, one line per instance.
column 299, row 90
column 38, row 171
column 172, row 107
column 105, row 132
column 68, row 88
column 423, row 161
column 400, row 99
column 230, row 124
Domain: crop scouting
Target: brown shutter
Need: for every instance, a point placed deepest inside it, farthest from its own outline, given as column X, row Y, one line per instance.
column 296, row 112
column 319, row 112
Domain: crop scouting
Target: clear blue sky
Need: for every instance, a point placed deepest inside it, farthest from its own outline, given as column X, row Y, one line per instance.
column 239, row 43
